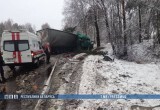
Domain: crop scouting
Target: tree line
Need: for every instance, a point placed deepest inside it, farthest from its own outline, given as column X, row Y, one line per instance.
column 120, row 22
column 11, row 25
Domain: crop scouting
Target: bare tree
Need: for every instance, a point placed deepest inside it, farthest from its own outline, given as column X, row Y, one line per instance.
column 29, row 27
column 8, row 24
column 1, row 28
column 15, row 26
column 124, row 27
column 122, row 22
column 45, row 25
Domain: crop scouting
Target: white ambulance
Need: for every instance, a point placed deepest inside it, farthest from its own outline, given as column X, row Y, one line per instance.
column 21, row 47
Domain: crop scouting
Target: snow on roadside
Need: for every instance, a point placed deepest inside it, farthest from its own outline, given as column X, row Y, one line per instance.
column 76, row 57
column 118, row 77
column 143, row 52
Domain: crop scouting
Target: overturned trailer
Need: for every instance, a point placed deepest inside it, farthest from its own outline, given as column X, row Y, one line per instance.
column 60, row 41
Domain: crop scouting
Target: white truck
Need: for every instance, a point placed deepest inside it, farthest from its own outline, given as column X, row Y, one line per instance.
column 21, row 47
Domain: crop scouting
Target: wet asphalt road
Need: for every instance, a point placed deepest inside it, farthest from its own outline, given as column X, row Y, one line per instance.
column 27, row 75
column 30, row 80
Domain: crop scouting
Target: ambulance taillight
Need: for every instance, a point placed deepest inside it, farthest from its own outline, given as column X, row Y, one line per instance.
column 32, row 53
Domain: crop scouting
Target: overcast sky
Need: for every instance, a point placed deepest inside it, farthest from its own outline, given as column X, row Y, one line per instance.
column 36, row 12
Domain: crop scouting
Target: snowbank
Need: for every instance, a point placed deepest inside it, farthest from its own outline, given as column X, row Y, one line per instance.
column 143, row 52
column 79, row 56
column 118, row 77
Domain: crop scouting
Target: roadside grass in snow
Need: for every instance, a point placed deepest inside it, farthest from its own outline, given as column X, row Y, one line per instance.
column 118, row 77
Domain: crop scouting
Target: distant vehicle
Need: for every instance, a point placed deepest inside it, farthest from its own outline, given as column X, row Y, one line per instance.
column 21, row 47
column 61, row 41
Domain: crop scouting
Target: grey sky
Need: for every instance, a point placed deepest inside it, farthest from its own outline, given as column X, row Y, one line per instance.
column 36, row 12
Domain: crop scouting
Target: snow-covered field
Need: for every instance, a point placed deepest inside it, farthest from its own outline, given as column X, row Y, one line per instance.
column 118, row 77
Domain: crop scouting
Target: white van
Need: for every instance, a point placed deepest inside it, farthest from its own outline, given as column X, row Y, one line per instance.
column 21, row 47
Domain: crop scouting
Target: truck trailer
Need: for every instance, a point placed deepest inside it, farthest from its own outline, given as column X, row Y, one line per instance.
column 59, row 41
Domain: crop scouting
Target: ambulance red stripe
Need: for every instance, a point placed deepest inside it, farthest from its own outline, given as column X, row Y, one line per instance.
column 14, row 53
column 19, row 53
column 13, row 36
